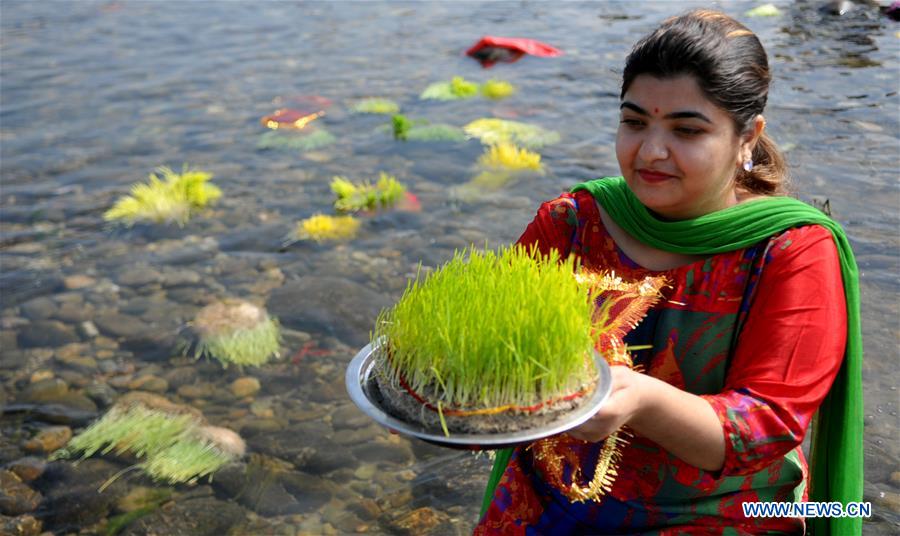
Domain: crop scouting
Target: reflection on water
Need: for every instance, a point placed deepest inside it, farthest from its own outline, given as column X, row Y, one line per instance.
column 96, row 95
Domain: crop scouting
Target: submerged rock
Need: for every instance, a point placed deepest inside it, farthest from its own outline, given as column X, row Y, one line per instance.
column 25, row 525
column 15, row 496
column 328, row 305
column 202, row 515
column 49, row 439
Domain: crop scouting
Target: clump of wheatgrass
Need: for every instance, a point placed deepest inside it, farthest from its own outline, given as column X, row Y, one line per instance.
column 167, row 197
column 354, row 197
column 376, row 105
column 457, row 88
column 491, row 329
column 174, row 447
column 236, row 332
column 497, row 89
column 507, row 155
column 493, row 130
column 324, row 228
column 406, row 129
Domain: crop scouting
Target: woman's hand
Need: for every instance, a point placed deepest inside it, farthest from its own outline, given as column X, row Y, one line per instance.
column 680, row 422
column 623, row 404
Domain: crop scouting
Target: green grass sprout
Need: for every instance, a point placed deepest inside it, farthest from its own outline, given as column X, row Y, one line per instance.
column 236, row 332
column 406, row 129
column 497, row 89
column 301, row 141
column 457, row 88
column 507, row 155
column 474, row 332
column 324, row 228
column 172, row 446
column 492, row 131
column 354, row 197
column 376, row 106
column 173, row 197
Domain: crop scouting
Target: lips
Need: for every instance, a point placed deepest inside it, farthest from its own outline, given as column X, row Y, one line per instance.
column 649, row 175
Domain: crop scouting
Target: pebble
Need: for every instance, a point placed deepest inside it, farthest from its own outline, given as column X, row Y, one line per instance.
column 44, row 390
column 40, row 375
column 38, row 308
column 895, row 478
column 139, row 276
column 245, row 386
column 422, row 521
column 28, row 468
column 260, row 426
column 149, row 382
column 25, row 525
column 120, row 325
column 46, row 334
column 197, row 390
column 889, row 500
column 88, row 330
column 74, row 282
column 101, row 393
column 262, row 408
column 49, row 439
column 365, row 471
column 74, row 313
column 15, row 497
column 180, row 376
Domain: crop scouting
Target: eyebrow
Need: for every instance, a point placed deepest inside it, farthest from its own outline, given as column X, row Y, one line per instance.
column 674, row 115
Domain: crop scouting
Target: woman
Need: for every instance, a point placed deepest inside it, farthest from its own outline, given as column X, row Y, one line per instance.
column 750, row 337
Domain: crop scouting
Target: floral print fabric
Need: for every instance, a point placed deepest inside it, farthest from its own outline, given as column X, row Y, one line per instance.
column 759, row 333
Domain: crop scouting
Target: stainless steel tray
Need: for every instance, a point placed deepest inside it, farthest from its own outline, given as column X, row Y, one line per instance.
column 364, row 393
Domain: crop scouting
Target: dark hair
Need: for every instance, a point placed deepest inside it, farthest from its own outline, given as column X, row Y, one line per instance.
column 731, row 68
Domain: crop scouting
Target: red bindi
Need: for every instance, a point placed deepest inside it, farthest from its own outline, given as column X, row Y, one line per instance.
column 656, row 110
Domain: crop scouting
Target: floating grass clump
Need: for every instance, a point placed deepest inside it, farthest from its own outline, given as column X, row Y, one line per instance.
column 497, row 89
column 406, row 129
column 765, row 10
column 353, row 197
column 175, row 448
column 457, row 88
column 473, row 334
column 507, row 155
column 174, row 197
column 322, row 228
column 376, row 106
column 295, row 141
column 492, row 130
column 236, row 332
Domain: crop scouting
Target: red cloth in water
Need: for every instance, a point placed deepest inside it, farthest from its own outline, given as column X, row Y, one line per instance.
column 517, row 46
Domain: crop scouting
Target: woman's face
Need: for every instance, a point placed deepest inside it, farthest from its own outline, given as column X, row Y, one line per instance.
column 678, row 151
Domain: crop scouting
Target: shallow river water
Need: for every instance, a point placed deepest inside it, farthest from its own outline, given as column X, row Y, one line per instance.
column 96, row 95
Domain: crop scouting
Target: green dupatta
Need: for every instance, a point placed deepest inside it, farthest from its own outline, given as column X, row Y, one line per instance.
column 837, row 450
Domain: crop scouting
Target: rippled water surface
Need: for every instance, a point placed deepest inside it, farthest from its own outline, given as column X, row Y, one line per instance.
column 96, row 95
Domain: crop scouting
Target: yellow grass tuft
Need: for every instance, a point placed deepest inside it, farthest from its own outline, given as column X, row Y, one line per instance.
column 507, row 155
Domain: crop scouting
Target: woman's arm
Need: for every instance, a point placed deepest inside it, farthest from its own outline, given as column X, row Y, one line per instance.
column 787, row 356
column 680, row 422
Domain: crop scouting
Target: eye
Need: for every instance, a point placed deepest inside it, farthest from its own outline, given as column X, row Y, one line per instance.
column 631, row 122
column 688, row 131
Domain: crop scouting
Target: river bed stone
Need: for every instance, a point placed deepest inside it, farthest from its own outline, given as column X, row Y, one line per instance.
column 46, row 334
column 49, row 439
column 15, row 496
column 24, row 525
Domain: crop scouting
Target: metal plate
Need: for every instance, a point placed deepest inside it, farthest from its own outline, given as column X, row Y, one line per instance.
column 364, row 393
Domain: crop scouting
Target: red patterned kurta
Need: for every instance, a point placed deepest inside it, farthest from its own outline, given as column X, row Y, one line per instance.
column 759, row 333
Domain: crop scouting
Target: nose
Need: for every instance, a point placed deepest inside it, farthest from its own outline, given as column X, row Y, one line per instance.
column 653, row 147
